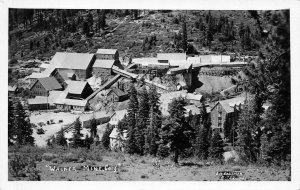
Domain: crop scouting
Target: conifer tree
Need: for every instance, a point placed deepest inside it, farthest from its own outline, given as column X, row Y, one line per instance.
column 90, row 20
column 102, row 22
column 93, row 127
column 247, row 130
column 203, row 135
column 88, row 141
column 142, row 120
column 216, row 149
column 60, row 138
column 152, row 134
column 77, row 141
column 22, row 126
column 11, row 130
column 184, row 37
column 175, row 133
column 155, row 121
column 86, row 28
column 132, row 121
column 105, row 137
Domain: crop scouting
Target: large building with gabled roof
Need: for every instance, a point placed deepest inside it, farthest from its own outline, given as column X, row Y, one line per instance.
column 226, row 110
column 42, row 86
column 80, row 63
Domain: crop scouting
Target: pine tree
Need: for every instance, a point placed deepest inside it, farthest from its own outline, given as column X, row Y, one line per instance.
column 203, row 135
column 132, row 121
column 209, row 35
column 93, row 127
column 77, row 141
column 102, row 22
column 152, row 134
column 175, row 133
column 86, row 28
column 135, row 14
column 271, row 82
column 88, row 141
column 247, row 130
column 11, row 130
column 184, row 38
column 90, row 20
column 155, row 121
column 60, row 138
column 22, row 126
column 105, row 137
column 142, row 120
column 216, row 149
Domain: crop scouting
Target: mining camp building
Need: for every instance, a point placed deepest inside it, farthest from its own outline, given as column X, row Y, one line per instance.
column 226, row 110
column 43, row 85
column 80, row 63
column 107, row 54
column 117, row 95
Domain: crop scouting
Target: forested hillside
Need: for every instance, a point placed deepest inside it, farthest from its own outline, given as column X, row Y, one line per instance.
column 135, row 33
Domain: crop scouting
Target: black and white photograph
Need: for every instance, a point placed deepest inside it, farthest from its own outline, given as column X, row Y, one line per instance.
column 127, row 94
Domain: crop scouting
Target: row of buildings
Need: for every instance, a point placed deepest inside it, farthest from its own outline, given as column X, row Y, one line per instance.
column 63, row 84
column 82, row 65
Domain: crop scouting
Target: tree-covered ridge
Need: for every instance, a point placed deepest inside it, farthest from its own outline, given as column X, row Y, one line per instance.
column 39, row 32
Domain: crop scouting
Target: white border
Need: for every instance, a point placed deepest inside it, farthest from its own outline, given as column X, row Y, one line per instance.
column 293, row 5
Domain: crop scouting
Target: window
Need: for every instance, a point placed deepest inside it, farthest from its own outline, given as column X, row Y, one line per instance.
column 219, row 118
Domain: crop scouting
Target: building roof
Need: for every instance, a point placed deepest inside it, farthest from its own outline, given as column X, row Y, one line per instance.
column 228, row 90
column 104, row 63
column 66, row 74
column 146, row 61
column 37, row 75
column 44, row 65
column 194, row 110
column 175, row 94
column 49, row 83
column 193, row 60
column 229, row 104
column 12, row 88
column 117, row 116
column 53, row 95
column 115, row 134
column 180, row 63
column 214, row 58
column 71, row 102
column 68, row 60
column 171, row 56
column 96, row 115
column 107, row 51
column 156, row 84
column 117, row 91
column 192, row 96
column 76, row 87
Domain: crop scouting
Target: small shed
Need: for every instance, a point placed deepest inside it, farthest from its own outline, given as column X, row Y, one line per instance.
column 117, row 95
column 117, row 139
column 12, row 90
